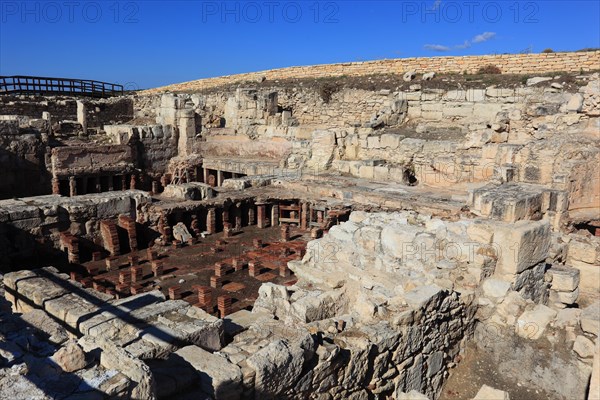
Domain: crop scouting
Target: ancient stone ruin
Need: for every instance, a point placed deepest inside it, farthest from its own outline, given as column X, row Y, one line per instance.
column 399, row 229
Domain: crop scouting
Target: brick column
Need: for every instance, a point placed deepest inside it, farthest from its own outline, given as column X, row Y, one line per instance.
column 205, row 175
column 211, row 221
column 157, row 268
column 204, row 296
column 216, row 282
column 225, row 214
column 251, row 215
column 133, row 182
column 155, row 187
column 254, row 268
column 304, row 216
column 284, row 271
column 275, row 215
column 125, row 277
column 137, row 274
column 72, row 186
column 285, row 233
column 224, row 305
column 55, row 186
column 195, row 226
column 175, row 292
column 123, row 182
column 227, row 230
column 238, row 216
column 261, row 216
column 219, row 178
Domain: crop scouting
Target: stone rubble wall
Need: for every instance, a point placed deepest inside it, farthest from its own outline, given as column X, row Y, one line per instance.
column 22, row 160
column 508, row 64
column 154, row 145
column 23, row 221
column 97, row 111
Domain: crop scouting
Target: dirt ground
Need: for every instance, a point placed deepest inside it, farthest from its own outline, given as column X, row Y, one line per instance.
column 476, row 370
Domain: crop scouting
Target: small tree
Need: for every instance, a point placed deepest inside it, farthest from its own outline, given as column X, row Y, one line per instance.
column 548, row 50
column 489, row 69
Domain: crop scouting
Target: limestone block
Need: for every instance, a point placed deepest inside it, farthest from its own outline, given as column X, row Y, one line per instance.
column 568, row 297
column 520, row 245
column 373, row 142
column 381, row 173
column 564, row 279
column 390, row 140
column 475, row 95
column 218, row 377
column 532, row 324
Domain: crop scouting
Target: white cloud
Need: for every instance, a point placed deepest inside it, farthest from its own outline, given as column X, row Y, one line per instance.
column 436, row 47
column 465, row 45
column 484, row 37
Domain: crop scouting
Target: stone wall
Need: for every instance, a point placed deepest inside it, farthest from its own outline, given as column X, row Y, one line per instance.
column 22, row 161
column 508, row 64
column 61, row 108
column 30, row 228
column 70, row 160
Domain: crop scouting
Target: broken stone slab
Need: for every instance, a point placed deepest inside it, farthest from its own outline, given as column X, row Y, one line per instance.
column 409, row 76
column 219, row 378
column 564, row 279
column 537, row 79
column 489, row 393
column 189, row 191
column 532, row 323
column 116, row 358
column 590, row 318
column 181, row 233
column 70, row 357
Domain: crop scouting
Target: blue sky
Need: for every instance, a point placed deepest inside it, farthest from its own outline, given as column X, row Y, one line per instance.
column 152, row 43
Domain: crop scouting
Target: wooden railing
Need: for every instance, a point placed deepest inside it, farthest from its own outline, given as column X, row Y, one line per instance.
column 57, row 86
